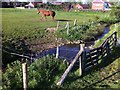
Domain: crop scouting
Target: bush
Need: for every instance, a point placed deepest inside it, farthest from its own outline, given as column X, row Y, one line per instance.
column 115, row 11
column 12, row 78
column 42, row 73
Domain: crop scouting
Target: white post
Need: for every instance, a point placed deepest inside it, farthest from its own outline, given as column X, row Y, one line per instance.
column 57, row 25
column 75, row 22
column 25, row 83
column 80, row 60
column 57, row 51
column 67, row 26
column 80, row 66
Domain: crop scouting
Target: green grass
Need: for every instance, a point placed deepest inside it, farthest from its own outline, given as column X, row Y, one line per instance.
column 21, row 23
column 25, row 23
column 106, row 75
column 118, row 30
column 113, row 28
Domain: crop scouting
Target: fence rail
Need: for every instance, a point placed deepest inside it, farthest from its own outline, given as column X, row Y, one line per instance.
column 94, row 56
column 71, row 66
column 89, row 59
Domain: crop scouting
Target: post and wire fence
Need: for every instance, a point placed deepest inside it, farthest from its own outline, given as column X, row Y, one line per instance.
column 90, row 59
column 24, row 58
column 86, row 59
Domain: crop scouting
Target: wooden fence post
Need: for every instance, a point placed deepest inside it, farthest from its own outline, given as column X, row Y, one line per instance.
column 115, row 33
column 108, row 47
column 80, row 66
column 25, row 82
column 80, row 61
column 70, row 67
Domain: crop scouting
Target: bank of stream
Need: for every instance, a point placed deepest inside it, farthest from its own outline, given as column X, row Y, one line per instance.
column 69, row 51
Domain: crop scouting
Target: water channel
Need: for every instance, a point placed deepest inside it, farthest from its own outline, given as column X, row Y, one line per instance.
column 69, row 51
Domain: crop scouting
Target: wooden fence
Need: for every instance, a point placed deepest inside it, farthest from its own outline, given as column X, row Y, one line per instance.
column 95, row 56
column 91, row 58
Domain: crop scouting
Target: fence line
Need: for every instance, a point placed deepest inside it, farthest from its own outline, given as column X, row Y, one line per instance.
column 17, row 54
column 86, row 59
column 96, row 55
column 89, row 59
column 70, row 66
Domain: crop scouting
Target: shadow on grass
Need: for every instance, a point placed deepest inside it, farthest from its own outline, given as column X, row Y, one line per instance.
column 63, row 20
column 93, row 84
column 107, row 61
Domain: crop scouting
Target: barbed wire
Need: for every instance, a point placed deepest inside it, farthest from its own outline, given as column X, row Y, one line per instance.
column 46, row 75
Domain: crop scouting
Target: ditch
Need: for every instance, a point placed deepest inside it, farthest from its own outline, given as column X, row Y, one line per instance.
column 69, row 51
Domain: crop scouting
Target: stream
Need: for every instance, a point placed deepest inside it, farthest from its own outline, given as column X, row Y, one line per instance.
column 69, row 51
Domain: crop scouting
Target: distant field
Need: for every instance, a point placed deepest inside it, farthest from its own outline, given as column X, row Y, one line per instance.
column 26, row 23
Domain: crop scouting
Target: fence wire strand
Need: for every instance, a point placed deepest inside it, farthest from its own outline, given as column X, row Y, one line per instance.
column 16, row 54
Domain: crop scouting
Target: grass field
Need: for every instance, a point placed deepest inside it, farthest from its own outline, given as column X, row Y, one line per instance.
column 27, row 22
column 18, row 23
